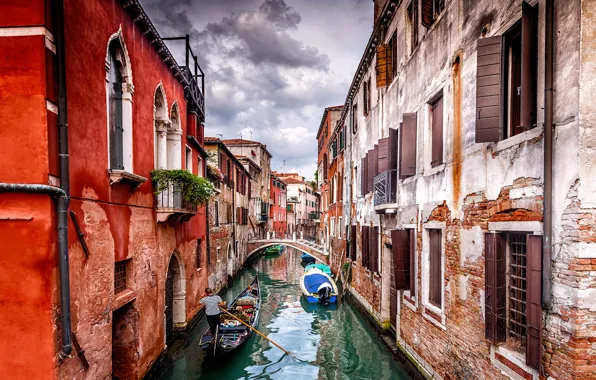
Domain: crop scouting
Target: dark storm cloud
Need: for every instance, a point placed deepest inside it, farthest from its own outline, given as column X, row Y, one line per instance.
column 269, row 65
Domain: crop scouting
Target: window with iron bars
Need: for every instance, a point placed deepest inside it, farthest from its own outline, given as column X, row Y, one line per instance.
column 517, row 287
column 120, row 281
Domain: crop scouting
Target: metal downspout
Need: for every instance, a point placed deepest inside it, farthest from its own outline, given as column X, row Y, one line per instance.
column 64, row 182
column 62, row 201
column 548, row 155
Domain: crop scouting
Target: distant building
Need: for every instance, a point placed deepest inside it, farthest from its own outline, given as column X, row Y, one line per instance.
column 304, row 197
column 260, row 199
column 278, row 206
column 228, row 213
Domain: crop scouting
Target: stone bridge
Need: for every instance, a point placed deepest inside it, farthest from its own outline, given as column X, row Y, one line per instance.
column 305, row 246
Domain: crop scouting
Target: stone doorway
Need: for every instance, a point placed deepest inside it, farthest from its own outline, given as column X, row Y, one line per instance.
column 125, row 342
column 175, row 298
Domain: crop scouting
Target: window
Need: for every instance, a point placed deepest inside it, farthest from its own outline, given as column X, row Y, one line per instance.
column 412, row 15
column 513, row 275
column 431, row 9
column 506, row 80
column 366, row 95
column 216, row 216
column 198, row 254
column 393, row 52
column 437, row 131
column 407, row 145
column 355, row 118
column 119, row 106
column 435, row 272
column 403, row 244
column 199, row 166
column 120, row 281
column 188, row 162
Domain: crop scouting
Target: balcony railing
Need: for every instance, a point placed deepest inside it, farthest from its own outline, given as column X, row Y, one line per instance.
column 314, row 215
column 263, row 218
column 192, row 72
column 171, row 205
column 385, row 188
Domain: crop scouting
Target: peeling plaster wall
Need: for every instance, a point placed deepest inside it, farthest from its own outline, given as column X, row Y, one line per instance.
column 480, row 182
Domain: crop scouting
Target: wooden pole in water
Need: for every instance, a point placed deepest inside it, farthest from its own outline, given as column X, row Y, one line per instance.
column 255, row 330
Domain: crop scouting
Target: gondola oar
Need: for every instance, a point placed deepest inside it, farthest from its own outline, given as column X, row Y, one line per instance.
column 255, row 330
column 215, row 340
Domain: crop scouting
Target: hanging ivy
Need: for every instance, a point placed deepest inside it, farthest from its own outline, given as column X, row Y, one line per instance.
column 196, row 190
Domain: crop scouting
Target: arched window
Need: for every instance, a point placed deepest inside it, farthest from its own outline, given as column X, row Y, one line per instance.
column 162, row 124
column 119, row 90
column 175, row 139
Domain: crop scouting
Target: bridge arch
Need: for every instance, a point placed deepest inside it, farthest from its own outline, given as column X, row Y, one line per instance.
column 319, row 257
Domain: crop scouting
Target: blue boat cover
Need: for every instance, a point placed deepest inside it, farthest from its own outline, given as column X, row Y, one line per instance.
column 312, row 281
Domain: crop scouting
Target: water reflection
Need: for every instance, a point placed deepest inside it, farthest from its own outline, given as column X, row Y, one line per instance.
column 328, row 342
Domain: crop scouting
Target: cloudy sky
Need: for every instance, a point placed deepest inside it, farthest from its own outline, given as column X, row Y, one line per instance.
column 271, row 66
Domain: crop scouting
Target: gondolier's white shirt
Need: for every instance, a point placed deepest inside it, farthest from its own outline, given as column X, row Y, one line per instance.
column 211, row 304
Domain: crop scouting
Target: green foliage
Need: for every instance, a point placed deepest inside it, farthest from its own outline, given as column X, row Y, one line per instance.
column 196, row 190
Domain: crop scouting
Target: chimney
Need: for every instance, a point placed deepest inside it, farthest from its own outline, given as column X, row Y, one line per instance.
column 379, row 6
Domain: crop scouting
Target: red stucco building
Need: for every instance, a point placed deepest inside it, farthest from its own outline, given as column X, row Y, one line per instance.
column 95, row 102
column 277, row 211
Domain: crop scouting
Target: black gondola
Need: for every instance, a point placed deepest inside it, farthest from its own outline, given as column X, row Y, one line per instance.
column 231, row 334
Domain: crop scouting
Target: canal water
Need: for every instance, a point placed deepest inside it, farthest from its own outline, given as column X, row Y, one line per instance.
column 329, row 342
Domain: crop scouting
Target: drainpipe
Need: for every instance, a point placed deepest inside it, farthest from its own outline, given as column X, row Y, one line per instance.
column 62, row 200
column 548, row 155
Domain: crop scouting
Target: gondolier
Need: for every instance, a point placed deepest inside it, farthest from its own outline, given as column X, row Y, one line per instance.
column 212, row 304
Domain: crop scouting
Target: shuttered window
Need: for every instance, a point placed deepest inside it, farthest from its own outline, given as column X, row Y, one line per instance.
column 513, row 292
column 392, row 63
column 407, row 146
column 489, row 100
column 374, row 248
column 412, row 15
column 534, row 306
column 216, row 216
column 437, row 132
column 353, row 244
column 365, row 246
column 507, row 79
column 495, row 288
column 382, row 67
column 383, row 158
column 198, row 254
column 372, row 168
column 400, row 242
column 363, row 171
column 355, row 118
column 435, row 292
column 431, row 9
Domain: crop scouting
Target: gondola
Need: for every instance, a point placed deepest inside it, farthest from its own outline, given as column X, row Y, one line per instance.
column 323, row 267
column 310, row 284
column 231, row 334
column 306, row 258
column 274, row 250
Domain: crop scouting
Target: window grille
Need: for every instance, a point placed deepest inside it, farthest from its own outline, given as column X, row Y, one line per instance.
column 120, row 276
column 517, row 286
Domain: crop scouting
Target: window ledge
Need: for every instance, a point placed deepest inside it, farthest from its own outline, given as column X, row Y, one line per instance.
column 117, row 175
column 530, row 134
column 435, row 170
column 431, row 312
column 123, row 298
column 409, row 302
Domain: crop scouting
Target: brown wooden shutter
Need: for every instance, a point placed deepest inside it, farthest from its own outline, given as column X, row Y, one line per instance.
column 375, row 249
column 412, row 261
column 489, row 89
column 392, row 146
column 365, row 246
column 363, row 179
column 407, row 146
column 495, row 283
column 371, row 170
column 382, row 68
column 533, row 299
column 353, row 242
column 249, row 188
column 383, row 158
column 400, row 241
column 435, row 273
column 427, row 13
column 528, row 65
column 437, row 133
